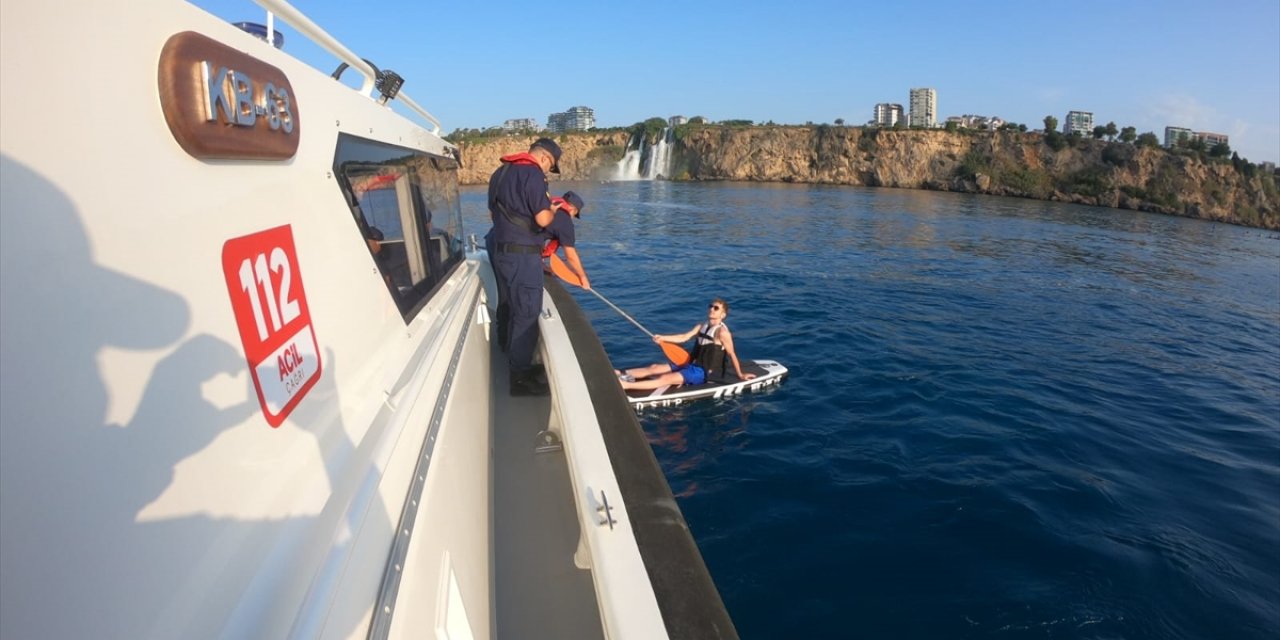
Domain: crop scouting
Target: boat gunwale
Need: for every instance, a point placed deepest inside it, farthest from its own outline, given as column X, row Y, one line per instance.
column 687, row 596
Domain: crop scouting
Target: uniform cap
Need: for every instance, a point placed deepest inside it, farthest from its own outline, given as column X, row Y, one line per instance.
column 551, row 147
column 575, row 200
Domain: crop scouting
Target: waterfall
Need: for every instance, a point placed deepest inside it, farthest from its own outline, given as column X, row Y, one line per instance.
column 629, row 165
column 643, row 161
column 660, row 157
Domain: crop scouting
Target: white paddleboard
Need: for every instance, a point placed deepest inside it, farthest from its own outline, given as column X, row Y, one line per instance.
column 768, row 373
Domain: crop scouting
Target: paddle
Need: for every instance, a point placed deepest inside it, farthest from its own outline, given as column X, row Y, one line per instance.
column 675, row 354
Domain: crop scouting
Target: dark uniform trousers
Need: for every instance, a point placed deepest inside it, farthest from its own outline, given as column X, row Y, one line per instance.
column 519, row 277
column 503, row 310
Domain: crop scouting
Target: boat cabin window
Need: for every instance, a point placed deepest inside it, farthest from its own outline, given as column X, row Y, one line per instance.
column 406, row 210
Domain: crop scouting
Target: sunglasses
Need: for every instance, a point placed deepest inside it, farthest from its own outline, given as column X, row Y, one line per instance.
column 714, row 307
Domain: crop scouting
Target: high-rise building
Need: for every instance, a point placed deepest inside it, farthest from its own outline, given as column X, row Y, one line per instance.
column 572, row 119
column 924, row 108
column 1078, row 122
column 888, row 114
column 1175, row 135
column 521, row 124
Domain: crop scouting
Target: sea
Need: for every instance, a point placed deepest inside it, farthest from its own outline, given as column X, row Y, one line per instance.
column 1004, row 418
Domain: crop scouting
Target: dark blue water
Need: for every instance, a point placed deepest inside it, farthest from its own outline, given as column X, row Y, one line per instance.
column 1005, row 418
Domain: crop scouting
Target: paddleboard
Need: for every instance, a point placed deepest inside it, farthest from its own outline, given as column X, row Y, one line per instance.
column 768, row 373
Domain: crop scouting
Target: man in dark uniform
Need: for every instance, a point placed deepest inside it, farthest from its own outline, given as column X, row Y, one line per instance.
column 520, row 208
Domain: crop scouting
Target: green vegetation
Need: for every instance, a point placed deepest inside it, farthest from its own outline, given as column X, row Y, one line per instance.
column 1090, row 181
column 974, row 162
column 1109, row 131
column 1249, row 215
column 607, row 154
column 1149, row 140
column 1213, row 191
column 479, row 135
column 867, row 141
column 1033, row 182
column 1164, row 186
column 1055, row 140
column 1134, row 192
column 1117, row 155
column 651, row 129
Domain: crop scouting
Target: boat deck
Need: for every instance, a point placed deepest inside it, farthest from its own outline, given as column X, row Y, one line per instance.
column 539, row 591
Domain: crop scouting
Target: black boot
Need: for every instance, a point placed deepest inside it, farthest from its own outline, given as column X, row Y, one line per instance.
column 526, row 383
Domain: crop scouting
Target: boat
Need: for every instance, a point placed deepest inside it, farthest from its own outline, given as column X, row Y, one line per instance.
column 248, row 386
column 768, row 373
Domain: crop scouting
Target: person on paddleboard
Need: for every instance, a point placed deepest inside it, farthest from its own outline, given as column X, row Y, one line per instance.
column 713, row 344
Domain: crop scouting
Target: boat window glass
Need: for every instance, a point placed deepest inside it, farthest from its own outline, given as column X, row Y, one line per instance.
column 406, row 209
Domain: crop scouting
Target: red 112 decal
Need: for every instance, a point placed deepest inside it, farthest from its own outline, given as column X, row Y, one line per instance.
column 270, row 307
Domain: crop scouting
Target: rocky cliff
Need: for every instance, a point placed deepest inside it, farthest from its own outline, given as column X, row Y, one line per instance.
column 1085, row 171
column 587, row 156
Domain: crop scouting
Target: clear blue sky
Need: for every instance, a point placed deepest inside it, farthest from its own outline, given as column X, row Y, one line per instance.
column 1205, row 66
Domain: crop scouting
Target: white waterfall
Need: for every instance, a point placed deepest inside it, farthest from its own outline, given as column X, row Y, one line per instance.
column 660, row 157
column 645, row 161
column 629, row 165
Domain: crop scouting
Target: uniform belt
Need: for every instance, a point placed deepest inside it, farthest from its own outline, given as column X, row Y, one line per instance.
column 518, row 248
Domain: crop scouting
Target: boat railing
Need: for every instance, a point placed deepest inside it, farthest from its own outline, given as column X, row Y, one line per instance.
column 631, row 525
column 312, row 31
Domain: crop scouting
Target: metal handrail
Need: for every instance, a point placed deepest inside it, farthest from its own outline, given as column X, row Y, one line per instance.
column 316, row 34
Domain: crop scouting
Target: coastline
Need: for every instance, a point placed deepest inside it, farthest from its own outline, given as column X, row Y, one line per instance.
column 1008, row 163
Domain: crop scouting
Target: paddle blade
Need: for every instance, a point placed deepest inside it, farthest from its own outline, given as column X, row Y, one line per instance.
column 563, row 271
column 675, row 354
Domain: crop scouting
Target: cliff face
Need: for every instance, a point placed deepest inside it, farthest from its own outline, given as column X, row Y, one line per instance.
column 587, row 156
column 1094, row 172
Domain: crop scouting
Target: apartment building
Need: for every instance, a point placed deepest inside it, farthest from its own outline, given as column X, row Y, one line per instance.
column 1173, row 136
column 887, row 114
column 572, row 119
column 924, row 108
column 1212, row 139
column 1078, row 122
column 521, row 124
column 969, row 121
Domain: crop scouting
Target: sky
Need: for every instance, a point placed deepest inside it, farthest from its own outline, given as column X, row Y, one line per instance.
column 1148, row 64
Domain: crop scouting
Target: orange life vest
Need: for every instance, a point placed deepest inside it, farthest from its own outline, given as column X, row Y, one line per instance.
column 552, row 244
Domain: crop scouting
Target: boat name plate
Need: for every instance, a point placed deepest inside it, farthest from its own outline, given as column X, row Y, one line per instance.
column 221, row 103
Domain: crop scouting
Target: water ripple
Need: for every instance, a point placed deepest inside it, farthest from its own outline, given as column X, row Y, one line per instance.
column 1005, row 418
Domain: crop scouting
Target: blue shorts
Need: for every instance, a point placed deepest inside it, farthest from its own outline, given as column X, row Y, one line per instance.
column 692, row 373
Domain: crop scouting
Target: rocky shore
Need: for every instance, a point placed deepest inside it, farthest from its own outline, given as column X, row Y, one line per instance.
column 1085, row 171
